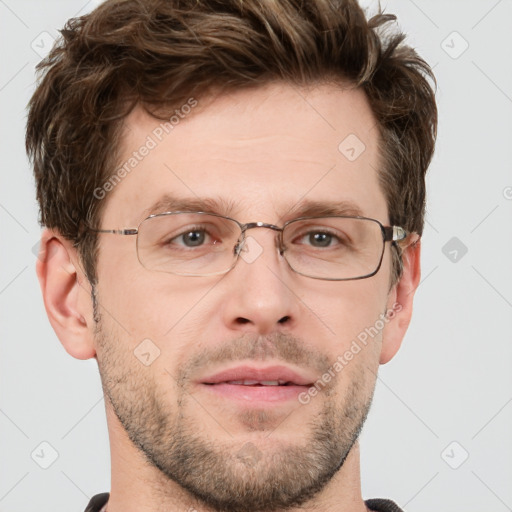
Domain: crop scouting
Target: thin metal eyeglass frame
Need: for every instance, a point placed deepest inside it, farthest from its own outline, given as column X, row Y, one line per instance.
column 389, row 234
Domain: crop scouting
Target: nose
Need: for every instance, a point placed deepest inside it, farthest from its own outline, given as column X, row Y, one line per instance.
column 260, row 294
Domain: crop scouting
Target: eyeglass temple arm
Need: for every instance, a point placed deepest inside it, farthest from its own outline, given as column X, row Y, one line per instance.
column 399, row 235
column 131, row 231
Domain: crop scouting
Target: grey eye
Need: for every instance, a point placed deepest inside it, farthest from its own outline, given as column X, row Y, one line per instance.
column 193, row 238
column 320, row 239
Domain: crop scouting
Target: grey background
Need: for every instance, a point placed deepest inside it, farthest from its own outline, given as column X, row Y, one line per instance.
column 451, row 381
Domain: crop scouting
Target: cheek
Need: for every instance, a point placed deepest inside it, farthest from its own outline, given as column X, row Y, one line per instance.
column 348, row 308
column 128, row 291
column 155, row 306
column 353, row 311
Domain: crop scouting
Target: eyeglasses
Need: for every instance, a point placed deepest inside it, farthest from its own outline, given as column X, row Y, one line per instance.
column 333, row 248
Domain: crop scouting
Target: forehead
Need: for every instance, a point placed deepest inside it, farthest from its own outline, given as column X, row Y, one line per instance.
column 262, row 152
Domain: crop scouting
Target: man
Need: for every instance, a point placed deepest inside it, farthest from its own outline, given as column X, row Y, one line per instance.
column 233, row 194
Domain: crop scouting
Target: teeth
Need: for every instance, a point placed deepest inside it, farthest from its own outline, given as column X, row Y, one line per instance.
column 254, row 382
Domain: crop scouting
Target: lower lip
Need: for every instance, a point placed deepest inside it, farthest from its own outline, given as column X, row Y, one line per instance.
column 256, row 393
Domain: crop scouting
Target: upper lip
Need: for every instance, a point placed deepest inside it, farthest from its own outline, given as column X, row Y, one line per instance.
column 269, row 373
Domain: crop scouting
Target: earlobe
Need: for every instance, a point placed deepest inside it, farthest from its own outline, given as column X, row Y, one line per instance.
column 66, row 295
column 400, row 302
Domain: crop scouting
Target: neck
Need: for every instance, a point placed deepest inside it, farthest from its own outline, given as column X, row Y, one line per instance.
column 138, row 486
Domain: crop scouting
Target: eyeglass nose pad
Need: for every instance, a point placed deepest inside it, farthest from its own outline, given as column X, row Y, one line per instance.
column 280, row 243
column 239, row 247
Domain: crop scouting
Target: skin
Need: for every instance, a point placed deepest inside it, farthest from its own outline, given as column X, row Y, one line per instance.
column 267, row 148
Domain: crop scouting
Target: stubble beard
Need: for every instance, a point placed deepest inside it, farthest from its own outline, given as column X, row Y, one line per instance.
column 234, row 476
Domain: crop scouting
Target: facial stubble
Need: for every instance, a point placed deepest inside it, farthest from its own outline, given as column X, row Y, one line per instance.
column 239, row 475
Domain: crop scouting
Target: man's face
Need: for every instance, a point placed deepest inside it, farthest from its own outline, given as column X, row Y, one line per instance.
column 237, row 446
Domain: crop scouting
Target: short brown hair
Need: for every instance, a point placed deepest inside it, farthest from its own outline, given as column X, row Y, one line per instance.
column 157, row 53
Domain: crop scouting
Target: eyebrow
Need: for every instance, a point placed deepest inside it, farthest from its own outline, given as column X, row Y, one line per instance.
column 226, row 207
column 170, row 203
column 309, row 208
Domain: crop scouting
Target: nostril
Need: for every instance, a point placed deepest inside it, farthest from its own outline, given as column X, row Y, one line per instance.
column 242, row 320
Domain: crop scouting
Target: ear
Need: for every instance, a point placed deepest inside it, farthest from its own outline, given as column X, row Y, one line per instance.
column 66, row 294
column 400, row 301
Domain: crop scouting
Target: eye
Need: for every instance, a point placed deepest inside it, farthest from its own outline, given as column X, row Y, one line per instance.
column 195, row 236
column 320, row 238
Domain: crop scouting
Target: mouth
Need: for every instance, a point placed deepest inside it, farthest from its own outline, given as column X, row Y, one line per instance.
column 257, row 385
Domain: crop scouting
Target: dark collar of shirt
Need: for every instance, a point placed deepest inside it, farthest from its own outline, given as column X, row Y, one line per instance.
column 375, row 505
